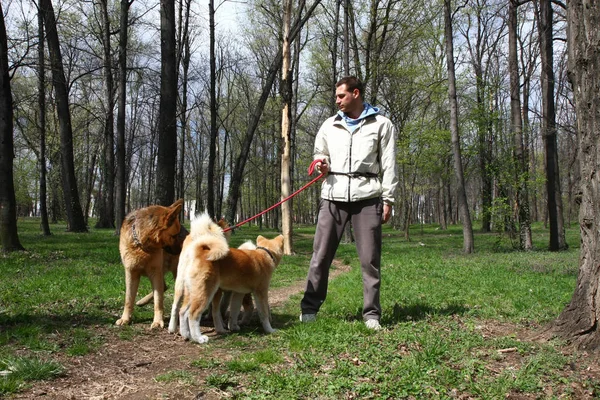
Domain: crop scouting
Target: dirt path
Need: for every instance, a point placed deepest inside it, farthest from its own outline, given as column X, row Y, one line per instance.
column 127, row 369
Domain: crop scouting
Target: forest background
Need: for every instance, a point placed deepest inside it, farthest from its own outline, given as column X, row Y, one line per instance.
column 231, row 49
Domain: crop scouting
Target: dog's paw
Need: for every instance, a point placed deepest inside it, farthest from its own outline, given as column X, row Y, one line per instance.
column 157, row 325
column 185, row 333
column 122, row 321
column 201, row 339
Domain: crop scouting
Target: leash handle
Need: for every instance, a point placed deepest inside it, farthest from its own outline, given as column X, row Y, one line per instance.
column 311, row 169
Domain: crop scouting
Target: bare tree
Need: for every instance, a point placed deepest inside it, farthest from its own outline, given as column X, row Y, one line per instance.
column 555, row 217
column 75, row 218
column 468, row 242
column 8, row 204
column 286, row 113
column 486, row 39
column 167, row 126
column 120, row 184
column 106, row 208
column 521, row 158
column 42, row 126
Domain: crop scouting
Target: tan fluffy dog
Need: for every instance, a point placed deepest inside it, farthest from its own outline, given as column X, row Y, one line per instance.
column 207, row 264
column 144, row 235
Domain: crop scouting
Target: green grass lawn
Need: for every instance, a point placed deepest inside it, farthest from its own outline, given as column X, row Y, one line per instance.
column 449, row 319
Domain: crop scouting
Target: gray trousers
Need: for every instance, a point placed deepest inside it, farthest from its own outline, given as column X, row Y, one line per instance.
column 333, row 216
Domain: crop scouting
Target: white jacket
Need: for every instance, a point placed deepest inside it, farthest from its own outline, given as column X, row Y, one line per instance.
column 370, row 149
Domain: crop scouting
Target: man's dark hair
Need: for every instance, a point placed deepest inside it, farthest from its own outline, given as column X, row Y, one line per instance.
column 351, row 83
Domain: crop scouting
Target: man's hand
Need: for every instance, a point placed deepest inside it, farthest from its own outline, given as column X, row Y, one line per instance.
column 387, row 213
column 322, row 167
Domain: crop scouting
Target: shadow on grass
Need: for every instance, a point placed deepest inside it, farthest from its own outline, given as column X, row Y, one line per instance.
column 413, row 312
column 417, row 312
column 15, row 325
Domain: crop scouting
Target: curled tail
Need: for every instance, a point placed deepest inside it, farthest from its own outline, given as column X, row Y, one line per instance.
column 207, row 238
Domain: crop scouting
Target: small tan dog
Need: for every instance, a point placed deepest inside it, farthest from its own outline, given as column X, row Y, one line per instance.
column 144, row 235
column 207, row 264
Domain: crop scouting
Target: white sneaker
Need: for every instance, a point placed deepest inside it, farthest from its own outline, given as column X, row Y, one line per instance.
column 373, row 324
column 308, row 317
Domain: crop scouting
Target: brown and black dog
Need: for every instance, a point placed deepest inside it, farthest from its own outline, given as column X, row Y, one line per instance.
column 145, row 233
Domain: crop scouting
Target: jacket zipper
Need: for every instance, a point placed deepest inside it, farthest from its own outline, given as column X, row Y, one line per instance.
column 350, row 157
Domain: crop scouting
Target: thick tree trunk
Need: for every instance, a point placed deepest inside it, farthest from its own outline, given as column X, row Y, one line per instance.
column 185, row 57
column 557, row 234
column 286, row 95
column 463, row 207
column 212, row 146
column 521, row 159
column 9, row 237
column 120, row 193
column 75, row 218
column 106, row 217
column 578, row 323
column 167, row 126
column 45, row 226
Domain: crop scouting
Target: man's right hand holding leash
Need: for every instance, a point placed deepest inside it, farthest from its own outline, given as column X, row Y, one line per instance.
column 322, row 167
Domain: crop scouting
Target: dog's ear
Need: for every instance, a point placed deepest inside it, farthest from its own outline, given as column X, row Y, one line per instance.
column 174, row 211
column 177, row 205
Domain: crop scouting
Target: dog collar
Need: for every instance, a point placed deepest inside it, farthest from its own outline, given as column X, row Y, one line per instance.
column 268, row 252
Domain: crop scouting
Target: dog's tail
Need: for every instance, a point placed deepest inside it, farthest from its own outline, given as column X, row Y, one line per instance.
column 208, row 238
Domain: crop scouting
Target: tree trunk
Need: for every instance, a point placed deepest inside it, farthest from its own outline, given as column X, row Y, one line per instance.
column 8, row 204
column 346, row 37
column 106, row 217
column 521, row 158
column 579, row 321
column 286, row 95
column 75, row 218
column 121, row 187
column 557, row 234
column 212, row 146
column 167, row 127
column 185, row 62
column 463, row 207
column 45, row 226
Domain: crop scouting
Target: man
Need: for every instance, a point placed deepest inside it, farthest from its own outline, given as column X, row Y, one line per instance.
column 357, row 149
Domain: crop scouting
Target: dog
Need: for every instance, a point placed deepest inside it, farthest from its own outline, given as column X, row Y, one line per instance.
column 144, row 235
column 170, row 261
column 207, row 264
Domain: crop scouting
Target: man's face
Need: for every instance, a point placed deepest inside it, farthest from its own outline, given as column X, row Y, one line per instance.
column 347, row 102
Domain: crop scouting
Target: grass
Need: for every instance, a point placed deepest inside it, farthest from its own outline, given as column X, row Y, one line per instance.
column 449, row 319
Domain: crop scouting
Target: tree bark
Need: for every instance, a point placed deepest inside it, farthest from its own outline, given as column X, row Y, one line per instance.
column 521, row 158
column 8, row 204
column 45, row 226
column 185, row 56
column 463, row 207
column 286, row 96
column 121, row 187
column 578, row 322
column 167, row 127
column 106, row 217
column 212, row 145
column 75, row 218
column 555, row 218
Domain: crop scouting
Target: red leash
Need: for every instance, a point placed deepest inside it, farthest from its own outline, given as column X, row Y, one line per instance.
column 311, row 169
